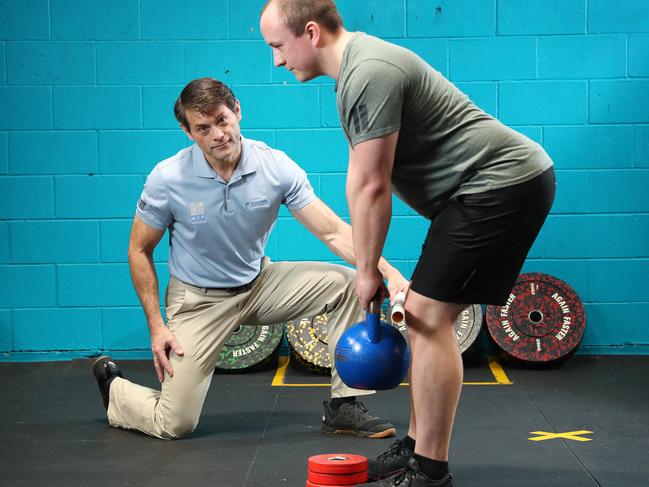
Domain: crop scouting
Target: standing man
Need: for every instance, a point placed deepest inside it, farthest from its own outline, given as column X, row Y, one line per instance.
column 485, row 188
column 220, row 199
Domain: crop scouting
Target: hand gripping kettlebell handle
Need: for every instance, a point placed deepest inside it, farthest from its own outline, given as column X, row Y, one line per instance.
column 372, row 320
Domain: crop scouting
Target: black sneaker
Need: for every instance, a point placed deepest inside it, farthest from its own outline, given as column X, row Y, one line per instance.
column 412, row 476
column 391, row 462
column 351, row 418
column 105, row 371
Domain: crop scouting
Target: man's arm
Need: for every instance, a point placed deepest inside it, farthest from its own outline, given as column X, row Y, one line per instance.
column 142, row 242
column 369, row 196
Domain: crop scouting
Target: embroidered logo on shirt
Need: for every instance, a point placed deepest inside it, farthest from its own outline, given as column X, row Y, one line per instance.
column 254, row 204
column 197, row 212
column 141, row 204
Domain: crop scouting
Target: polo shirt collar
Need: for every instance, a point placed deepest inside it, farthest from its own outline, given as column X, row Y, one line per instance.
column 202, row 169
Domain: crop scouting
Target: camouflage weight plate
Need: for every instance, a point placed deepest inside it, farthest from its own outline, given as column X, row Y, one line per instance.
column 542, row 321
column 249, row 346
column 308, row 341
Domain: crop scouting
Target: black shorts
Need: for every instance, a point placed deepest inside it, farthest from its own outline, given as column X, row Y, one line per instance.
column 477, row 243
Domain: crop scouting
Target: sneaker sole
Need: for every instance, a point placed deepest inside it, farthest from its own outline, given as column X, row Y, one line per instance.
column 363, row 434
column 376, row 478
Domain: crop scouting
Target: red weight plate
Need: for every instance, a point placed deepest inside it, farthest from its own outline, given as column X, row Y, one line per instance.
column 311, row 484
column 337, row 463
column 338, row 479
column 543, row 319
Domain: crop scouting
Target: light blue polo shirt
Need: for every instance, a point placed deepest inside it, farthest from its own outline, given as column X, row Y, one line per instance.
column 218, row 231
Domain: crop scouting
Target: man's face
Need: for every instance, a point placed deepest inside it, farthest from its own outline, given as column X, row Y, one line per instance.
column 297, row 54
column 217, row 134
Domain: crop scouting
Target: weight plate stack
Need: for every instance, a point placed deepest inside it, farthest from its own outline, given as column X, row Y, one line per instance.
column 543, row 320
column 250, row 348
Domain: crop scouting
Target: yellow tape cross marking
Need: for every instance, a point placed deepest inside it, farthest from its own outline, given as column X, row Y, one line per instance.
column 495, row 367
column 568, row 435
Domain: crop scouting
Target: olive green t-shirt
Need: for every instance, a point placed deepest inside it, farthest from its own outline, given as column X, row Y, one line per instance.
column 447, row 146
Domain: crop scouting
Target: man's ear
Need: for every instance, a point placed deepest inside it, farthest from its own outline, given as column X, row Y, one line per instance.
column 312, row 29
column 182, row 126
column 237, row 110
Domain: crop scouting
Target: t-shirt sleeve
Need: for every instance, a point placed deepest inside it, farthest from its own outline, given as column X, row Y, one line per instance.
column 153, row 206
column 298, row 191
column 371, row 101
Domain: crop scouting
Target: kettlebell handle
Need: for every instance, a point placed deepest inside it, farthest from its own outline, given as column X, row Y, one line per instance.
column 372, row 321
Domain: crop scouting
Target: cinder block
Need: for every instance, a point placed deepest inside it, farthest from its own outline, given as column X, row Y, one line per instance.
column 5, row 254
column 590, row 147
column 570, row 57
column 619, row 101
column 622, row 16
column 484, row 95
column 26, row 197
column 328, row 108
column 596, row 236
column 169, row 19
column 281, row 75
column 399, row 208
column 573, row 271
column 333, row 193
column 27, row 286
column 6, row 331
column 57, row 329
column 641, row 146
column 158, row 106
column 25, row 108
column 406, row 235
column 295, row 242
column 618, row 191
column 114, row 239
column 543, row 102
column 4, row 153
column 97, row 107
column 50, row 63
column 639, row 55
column 332, row 151
column 66, row 241
column 279, row 106
column 26, row 19
column 137, row 152
column 124, row 63
column 265, row 136
column 433, row 51
column 534, row 133
column 3, row 64
column 89, row 285
column 618, row 280
column 31, row 152
column 499, row 58
column 231, row 62
column 522, row 17
column 125, row 329
column 441, row 18
column 97, row 196
column 376, row 17
column 615, row 324
column 95, row 19
column 572, row 192
column 244, row 19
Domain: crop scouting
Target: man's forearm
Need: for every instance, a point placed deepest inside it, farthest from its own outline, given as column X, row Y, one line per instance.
column 145, row 281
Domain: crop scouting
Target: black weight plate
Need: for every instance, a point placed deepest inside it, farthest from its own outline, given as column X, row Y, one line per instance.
column 308, row 339
column 542, row 321
column 249, row 346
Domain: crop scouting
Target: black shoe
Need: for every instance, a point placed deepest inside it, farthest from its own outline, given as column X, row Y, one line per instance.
column 105, row 371
column 352, row 418
column 391, row 462
column 412, row 476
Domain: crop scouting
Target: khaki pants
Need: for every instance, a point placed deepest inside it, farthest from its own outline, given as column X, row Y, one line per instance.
column 202, row 319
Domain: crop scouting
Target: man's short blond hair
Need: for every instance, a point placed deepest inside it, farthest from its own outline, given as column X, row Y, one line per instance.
column 296, row 14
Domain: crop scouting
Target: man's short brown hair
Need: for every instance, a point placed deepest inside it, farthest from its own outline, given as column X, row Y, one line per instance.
column 296, row 14
column 203, row 95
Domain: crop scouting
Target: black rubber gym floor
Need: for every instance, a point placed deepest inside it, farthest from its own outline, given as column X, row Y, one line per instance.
column 581, row 424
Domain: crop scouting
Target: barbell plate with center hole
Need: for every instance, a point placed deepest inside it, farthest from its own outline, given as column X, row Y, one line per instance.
column 542, row 321
column 250, row 346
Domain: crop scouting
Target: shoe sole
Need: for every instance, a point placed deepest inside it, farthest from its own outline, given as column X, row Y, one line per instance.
column 376, row 478
column 363, row 434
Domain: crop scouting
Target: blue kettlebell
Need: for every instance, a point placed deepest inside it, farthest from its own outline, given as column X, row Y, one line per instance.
column 372, row 354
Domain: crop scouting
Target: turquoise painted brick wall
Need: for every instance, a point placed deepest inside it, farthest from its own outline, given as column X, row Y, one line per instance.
column 86, row 95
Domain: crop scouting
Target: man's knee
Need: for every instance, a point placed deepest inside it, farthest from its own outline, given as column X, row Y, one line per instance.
column 178, row 428
column 427, row 316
